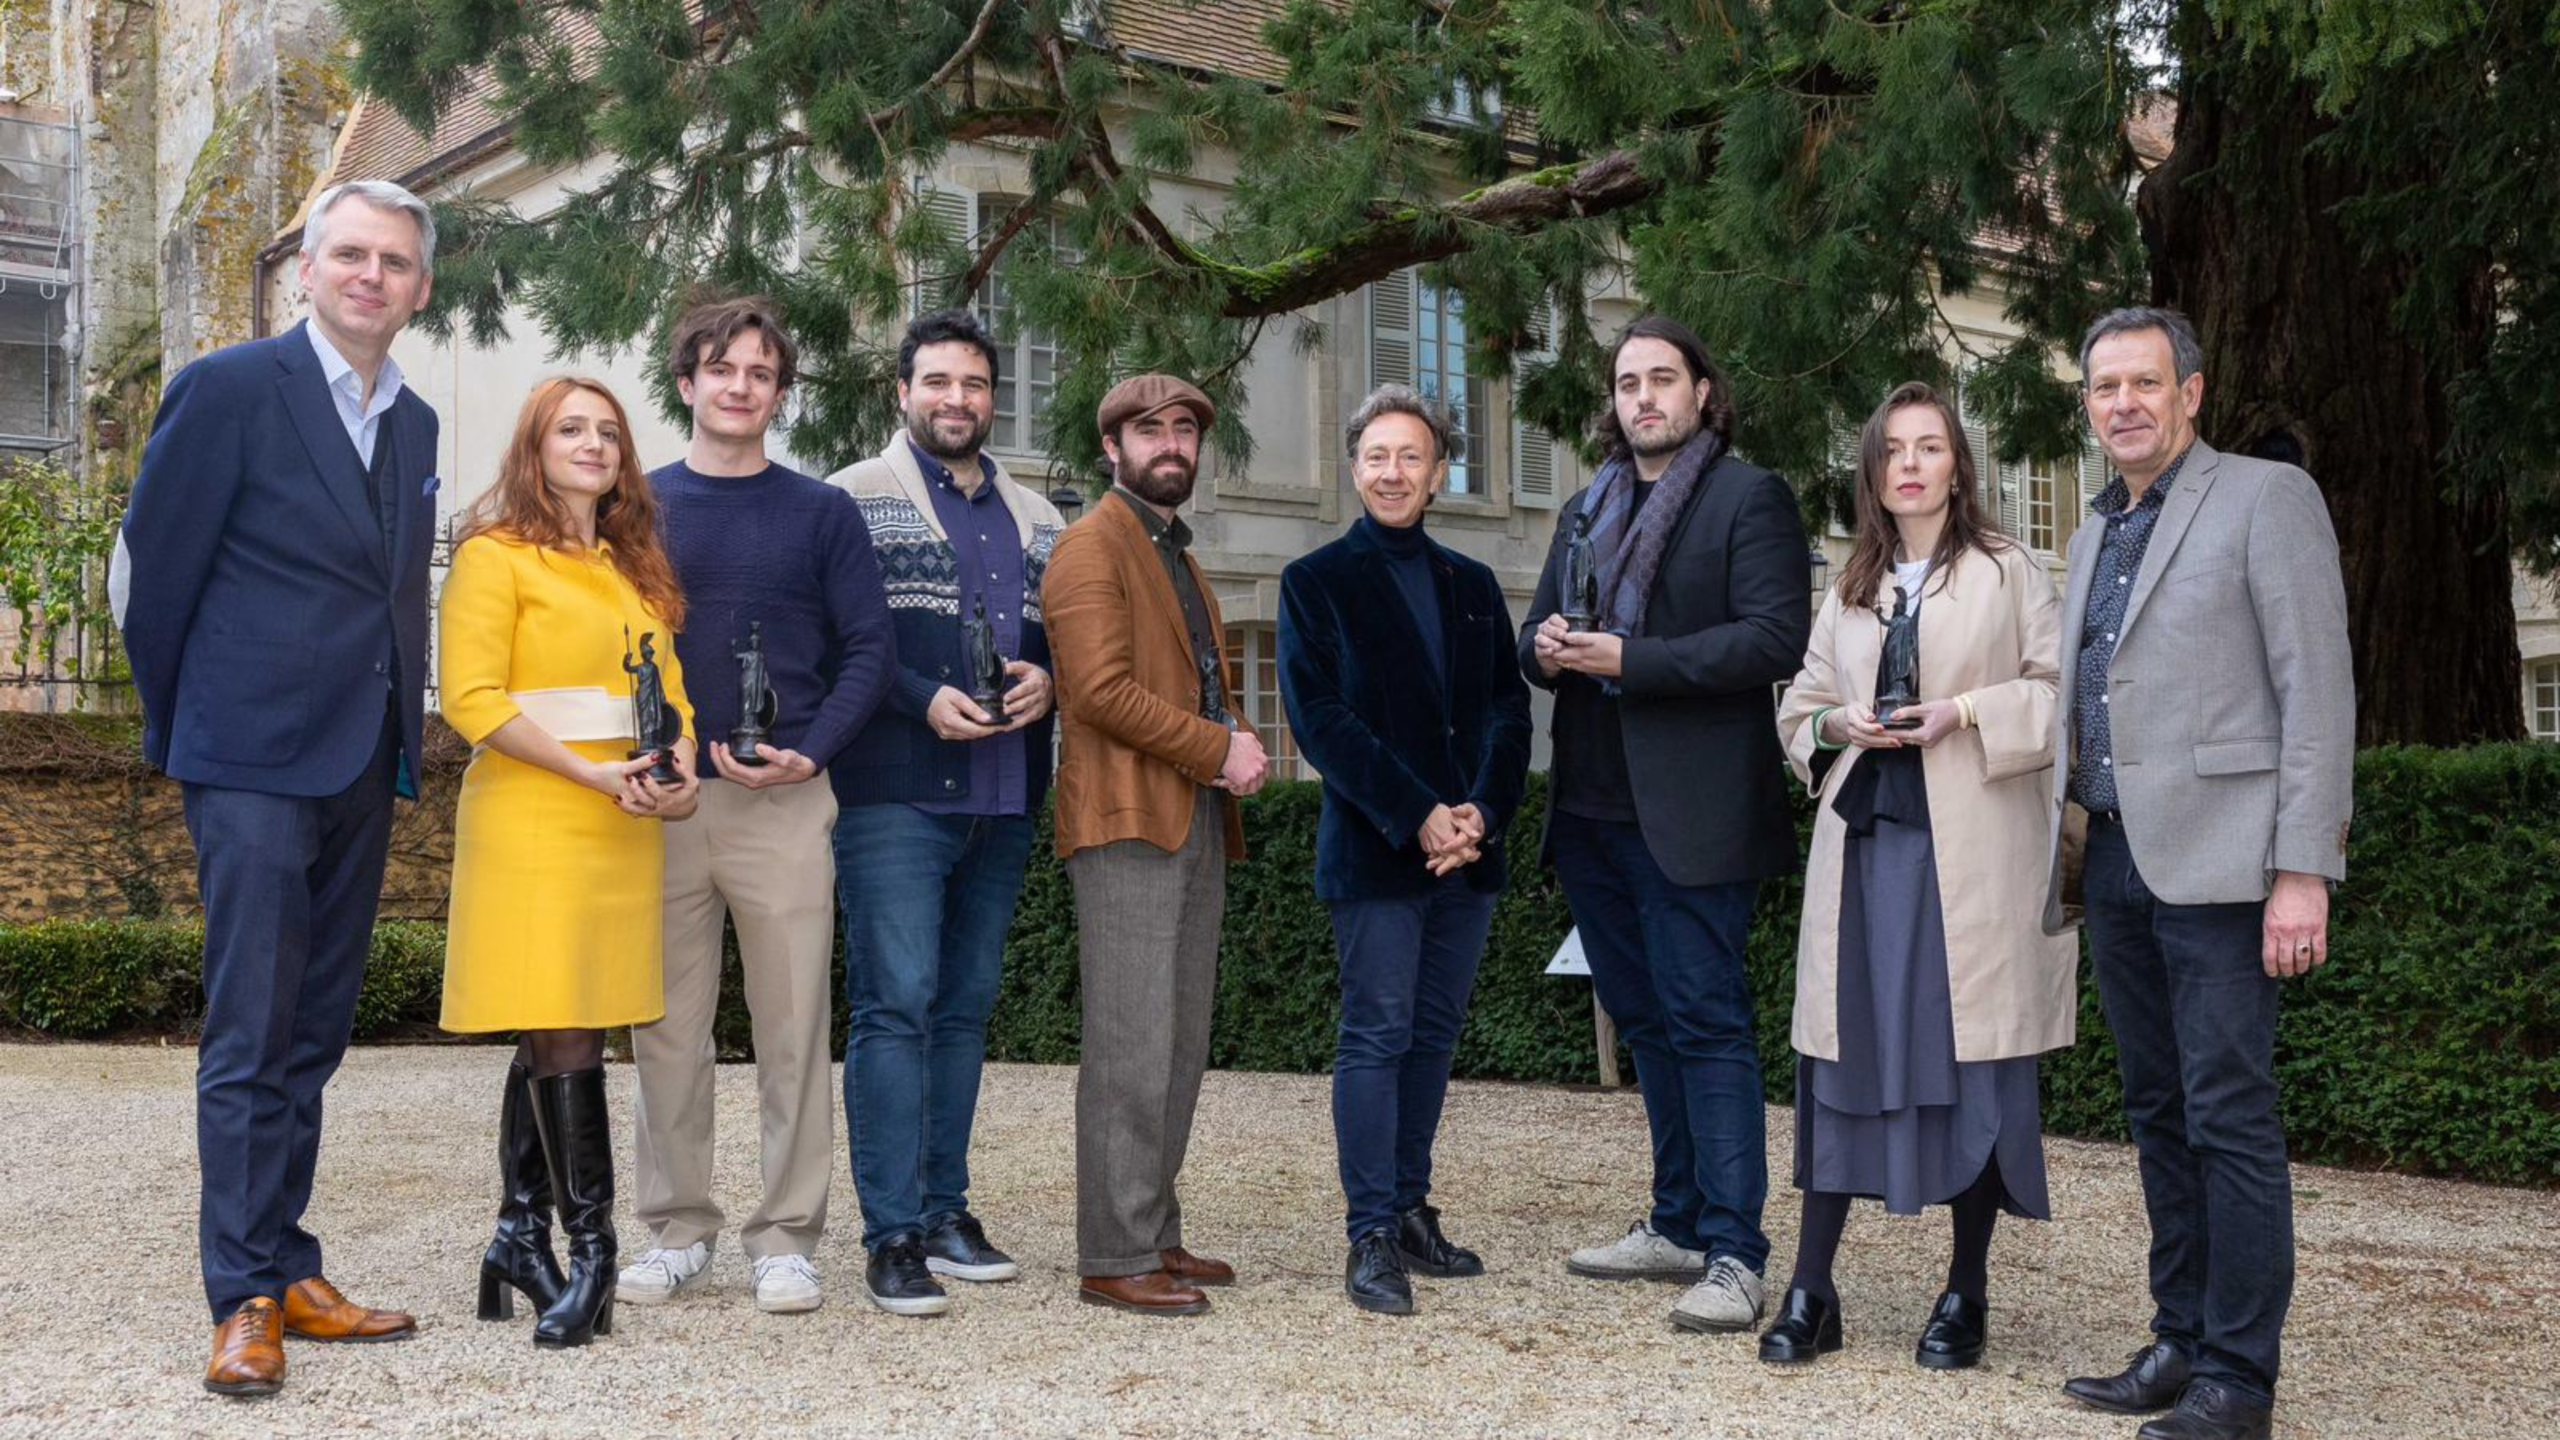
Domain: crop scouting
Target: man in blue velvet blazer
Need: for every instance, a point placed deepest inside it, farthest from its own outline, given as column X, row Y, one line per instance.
column 1397, row 667
column 277, row 549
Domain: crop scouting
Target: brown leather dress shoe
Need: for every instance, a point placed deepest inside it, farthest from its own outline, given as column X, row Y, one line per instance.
column 314, row 1310
column 1193, row 1269
column 248, row 1352
column 1154, row 1293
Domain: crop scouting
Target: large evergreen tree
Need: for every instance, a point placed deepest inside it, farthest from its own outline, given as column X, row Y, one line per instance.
column 2357, row 213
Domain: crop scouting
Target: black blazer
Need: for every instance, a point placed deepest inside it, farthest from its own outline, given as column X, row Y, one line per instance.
column 1390, row 736
column 1726, row 624
column 269, row 624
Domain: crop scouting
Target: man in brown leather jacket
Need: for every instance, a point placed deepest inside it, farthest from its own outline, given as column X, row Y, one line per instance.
column 1153, row 759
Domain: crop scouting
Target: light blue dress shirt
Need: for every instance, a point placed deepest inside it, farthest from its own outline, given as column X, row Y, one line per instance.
column 362, row 418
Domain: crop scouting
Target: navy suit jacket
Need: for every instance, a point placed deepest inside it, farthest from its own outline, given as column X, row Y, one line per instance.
column 1391, row 736
column 267, row 626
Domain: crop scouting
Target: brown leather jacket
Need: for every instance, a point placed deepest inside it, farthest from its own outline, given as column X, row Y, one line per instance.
column 1135, row 749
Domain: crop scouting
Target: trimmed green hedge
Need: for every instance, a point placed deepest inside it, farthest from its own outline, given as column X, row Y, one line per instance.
column 2430, row 1044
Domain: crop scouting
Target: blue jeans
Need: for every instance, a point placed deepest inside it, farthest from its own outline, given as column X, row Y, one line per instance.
column 927, row 901
column 1408, row 966
column 1666, row 962
column 2194, row 1015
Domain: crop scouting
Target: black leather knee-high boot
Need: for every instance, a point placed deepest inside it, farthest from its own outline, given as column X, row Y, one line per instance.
column 519, row 1260
column 577, row 1139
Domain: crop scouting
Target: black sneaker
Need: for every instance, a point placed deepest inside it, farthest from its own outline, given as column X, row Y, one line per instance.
column 898, row 1281
column 1428, row 1252
column 1374, row 1275
column 957, row 1246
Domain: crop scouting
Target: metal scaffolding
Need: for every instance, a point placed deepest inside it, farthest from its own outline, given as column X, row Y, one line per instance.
column 39, row 280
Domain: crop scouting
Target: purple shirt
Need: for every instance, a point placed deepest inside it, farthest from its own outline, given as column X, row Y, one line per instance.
column 986, row 553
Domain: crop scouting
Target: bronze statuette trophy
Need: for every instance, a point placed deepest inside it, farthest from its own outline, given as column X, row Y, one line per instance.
column 1581, row 599
column 1898, row 683
column 986, row 667
column 654, row 729
column 755, row 701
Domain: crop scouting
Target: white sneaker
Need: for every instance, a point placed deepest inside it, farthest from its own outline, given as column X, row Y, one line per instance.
column 662, row 1274
column 787, row 1285
column 1728, row 1299
column 1640, row 1254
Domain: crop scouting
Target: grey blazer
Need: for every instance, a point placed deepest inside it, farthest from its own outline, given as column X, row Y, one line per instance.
column 2231, row 695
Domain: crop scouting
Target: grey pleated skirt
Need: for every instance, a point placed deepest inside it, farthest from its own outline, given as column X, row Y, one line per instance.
column 1897, row 1117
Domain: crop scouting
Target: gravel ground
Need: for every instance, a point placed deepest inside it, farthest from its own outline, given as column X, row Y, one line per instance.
column 2424, row 1307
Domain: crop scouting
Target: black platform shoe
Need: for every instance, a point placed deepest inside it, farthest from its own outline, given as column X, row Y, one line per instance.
column 1374, row 1275
column 1952, row 1340
column 519, row 1260
column 577, row 1140
column 1428, row 1252
column 1808, row 1325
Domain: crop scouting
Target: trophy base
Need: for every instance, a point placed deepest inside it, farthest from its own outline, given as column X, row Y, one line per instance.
column 1889, row 714
column 990, row 711
column 1580, row 624
column 664, row 772
column 746, row 748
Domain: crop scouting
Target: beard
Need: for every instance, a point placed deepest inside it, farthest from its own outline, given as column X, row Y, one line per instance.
column 1675, row 433
column 929, row 430
column 1168, row 481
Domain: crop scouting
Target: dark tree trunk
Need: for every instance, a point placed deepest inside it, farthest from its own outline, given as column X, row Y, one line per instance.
column 2300, row 348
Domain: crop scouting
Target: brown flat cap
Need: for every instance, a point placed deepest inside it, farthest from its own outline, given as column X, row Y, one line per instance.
column 1142, row 395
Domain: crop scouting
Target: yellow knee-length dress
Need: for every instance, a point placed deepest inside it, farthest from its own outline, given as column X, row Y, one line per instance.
column 557, row 893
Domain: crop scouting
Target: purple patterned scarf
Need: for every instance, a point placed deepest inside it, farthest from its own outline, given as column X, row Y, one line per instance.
column 1629, row 543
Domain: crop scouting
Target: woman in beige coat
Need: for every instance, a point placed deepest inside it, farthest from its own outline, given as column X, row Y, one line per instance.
column 1925, row 985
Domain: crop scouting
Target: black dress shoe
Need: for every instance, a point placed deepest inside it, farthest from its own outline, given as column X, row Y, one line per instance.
column 1374, row 1275
column 1952, row 1340
column 1428, row 1252
column 1808, row 1325
column 2149, row 1383
column 2207, row 1411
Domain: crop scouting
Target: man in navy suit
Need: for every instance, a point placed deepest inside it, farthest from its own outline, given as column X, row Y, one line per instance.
column 277, row 557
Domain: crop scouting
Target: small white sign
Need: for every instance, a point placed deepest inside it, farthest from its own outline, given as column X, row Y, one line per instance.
column 1569, row 958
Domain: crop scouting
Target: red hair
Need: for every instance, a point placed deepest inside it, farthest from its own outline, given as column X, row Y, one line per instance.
column 521, row 504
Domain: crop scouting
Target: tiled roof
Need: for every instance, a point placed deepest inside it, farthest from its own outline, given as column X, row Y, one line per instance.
column 1221, row 36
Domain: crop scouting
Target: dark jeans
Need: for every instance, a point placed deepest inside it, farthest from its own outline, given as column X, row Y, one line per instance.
column 290, row 887
column 2194, row 1016
column 927, row 900
column 1408, row 966
column 1666, row 962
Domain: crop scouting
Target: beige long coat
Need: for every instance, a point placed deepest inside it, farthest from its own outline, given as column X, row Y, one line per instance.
column 1989, row 628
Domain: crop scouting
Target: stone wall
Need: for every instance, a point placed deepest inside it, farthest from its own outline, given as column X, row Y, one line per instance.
column 87, row 829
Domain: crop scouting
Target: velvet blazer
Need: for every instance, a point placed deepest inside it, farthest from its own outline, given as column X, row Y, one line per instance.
column 1393, row 735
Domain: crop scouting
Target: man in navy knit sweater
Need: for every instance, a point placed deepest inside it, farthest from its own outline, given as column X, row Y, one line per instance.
column 755, row 544
column 937, row 810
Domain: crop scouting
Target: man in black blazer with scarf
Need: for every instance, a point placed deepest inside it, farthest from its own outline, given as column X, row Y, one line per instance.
column 1396, row 667
column 1668, row 805
column 277, row 548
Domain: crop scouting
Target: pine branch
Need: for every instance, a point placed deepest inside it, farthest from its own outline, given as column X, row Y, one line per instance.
column 1411, row 235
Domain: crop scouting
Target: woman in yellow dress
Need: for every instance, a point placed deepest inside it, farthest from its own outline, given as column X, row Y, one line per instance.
column 557, row 854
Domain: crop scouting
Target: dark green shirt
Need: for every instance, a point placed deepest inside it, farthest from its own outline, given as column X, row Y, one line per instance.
column 1171, row 538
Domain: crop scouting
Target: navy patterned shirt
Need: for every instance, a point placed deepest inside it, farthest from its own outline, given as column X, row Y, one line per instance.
column 986, row 554
column 2129, row 524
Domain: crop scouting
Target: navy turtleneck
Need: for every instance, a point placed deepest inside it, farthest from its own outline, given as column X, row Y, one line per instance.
column 1408, row 553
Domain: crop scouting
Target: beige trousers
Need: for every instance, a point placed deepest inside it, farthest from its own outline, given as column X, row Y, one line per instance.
column 764, row 857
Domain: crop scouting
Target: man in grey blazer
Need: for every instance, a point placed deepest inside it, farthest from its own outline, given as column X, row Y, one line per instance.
column 2208, row 734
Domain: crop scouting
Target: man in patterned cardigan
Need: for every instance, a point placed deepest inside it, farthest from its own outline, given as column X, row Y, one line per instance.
column 937, row 806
